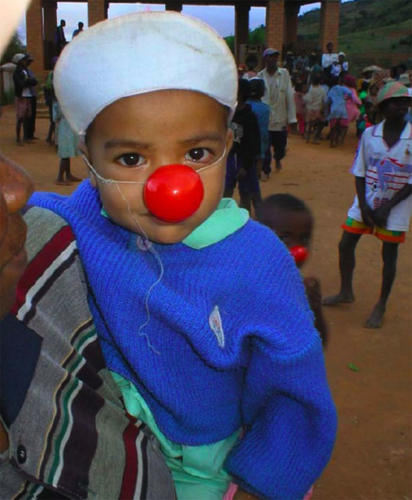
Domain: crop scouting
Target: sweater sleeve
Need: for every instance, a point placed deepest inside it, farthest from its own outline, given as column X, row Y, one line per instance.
column 289, row 416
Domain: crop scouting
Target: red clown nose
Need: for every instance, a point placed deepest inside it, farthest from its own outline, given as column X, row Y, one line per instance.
column 299, row 253
column 173, row 193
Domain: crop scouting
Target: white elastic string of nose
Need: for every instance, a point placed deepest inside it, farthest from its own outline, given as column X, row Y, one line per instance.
column 105, row 180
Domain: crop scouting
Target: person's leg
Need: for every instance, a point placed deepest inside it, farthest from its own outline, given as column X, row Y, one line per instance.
column 347, row 247
column 280, row 138
column 69, row 176
column 19, row 124
column 32, row 121
column 308, row 130
column 249, row 189
column 64, row 166
column 342, row 134
column 332, row 135
column 52, row 125
column 318, row 126
column 29, row 121
column 389, row 258
column 267, row 169
column 301, row 123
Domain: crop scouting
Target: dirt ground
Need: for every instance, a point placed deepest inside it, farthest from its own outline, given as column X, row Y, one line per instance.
column 372, row 457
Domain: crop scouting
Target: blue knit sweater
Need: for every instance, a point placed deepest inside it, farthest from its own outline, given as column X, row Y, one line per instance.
column 233, row 343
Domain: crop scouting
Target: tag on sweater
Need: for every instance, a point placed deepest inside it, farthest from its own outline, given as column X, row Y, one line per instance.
column 215, row 322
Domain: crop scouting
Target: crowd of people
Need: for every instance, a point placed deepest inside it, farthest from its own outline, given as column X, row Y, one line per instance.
column 173, row 331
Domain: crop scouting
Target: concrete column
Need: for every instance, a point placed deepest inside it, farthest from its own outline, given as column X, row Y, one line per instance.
column 291, row 23
column 50, row 26
column 329, row 23
column 275, row 24
column 97, row 11
column 241, row 27
column 34, row 31
column 175, row 5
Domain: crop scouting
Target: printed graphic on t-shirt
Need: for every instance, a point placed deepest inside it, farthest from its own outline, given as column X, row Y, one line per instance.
column 386, row 176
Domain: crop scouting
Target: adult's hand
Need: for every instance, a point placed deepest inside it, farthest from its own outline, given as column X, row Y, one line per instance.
column 15, row 189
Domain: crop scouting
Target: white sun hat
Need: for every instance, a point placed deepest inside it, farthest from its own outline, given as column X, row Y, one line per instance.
column 140, row 53
column 17, row 58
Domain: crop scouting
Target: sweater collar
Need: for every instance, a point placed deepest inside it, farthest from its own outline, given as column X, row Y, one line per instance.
column 223, row 222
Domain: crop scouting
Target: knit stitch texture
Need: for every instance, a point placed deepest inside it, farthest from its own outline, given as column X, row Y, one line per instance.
column 268, row 375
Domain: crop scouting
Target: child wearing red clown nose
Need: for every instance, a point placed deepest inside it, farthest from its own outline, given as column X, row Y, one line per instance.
column 292, row 222
column 212, row 345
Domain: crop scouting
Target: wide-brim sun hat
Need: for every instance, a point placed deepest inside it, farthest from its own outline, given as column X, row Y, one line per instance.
column 140, row 53
column 17, row 58
column 392, row 90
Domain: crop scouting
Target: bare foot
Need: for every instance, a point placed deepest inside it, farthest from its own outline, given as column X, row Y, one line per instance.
column 72, row 178
column 375, row 320
column 62, row 183
column 339, row 298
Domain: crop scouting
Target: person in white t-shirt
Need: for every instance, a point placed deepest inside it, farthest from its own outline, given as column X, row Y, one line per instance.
column 329, row 57
column 383, row 204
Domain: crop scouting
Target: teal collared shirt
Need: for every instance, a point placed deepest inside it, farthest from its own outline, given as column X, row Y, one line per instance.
column 224, row 221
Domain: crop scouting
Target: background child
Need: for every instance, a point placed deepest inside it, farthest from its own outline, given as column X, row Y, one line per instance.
column 262, row 112
column 67, row 144
column 292, row 221
column 200, row 312
column 315, row 101
column 49, row 99
column 352, row 105
column 241, row 163
column 300, row 106
column 383, row 201
column 338, row 116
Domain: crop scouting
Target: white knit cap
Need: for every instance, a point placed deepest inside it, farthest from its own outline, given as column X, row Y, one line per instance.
column 139, row 53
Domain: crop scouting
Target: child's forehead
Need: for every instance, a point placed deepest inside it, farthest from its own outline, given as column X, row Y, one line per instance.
column 181, row 114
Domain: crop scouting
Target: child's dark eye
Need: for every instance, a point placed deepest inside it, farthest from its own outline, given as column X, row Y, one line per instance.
column 130, row 159
column 199, row 155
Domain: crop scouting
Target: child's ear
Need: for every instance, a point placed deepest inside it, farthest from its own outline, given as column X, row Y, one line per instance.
column 86, row 158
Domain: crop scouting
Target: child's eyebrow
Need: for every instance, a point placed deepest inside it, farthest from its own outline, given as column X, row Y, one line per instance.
column 215, row 137
column 114, row 143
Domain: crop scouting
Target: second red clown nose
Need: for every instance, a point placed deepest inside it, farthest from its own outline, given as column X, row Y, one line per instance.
column 299, row 253
column 173, row 193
